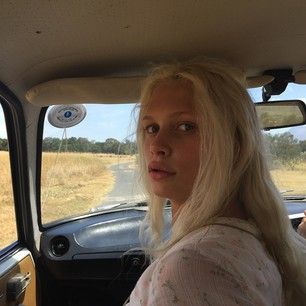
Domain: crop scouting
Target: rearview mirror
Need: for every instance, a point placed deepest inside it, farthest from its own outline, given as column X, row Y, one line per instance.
column 280, row 114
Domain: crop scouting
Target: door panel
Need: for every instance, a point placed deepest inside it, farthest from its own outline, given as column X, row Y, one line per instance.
column 20, row 264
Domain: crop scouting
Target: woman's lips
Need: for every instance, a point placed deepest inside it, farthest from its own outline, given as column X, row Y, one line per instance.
column 160, row 174
column 159, row 171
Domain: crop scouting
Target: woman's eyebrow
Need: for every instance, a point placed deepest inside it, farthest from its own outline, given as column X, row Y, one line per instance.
column 146, row 117
column 175, row 114
column 179, row 113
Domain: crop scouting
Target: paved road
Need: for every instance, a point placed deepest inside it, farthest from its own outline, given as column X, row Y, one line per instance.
column 126, row 188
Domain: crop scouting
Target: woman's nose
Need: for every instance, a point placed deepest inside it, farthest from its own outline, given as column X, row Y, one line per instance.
column 160, row 145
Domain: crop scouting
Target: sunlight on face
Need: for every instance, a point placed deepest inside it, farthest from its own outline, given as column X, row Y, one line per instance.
column 172, row 141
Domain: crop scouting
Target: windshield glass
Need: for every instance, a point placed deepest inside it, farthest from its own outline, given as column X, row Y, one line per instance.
column 89, row 165
column 92, row 166
column 286, row 147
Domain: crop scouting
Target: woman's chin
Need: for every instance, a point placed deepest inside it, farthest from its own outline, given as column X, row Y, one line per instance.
column 171, row 195
column 162, row 193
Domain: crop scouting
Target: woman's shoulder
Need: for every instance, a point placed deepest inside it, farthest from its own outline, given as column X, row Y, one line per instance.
column 228, row 240
column 226, row 256
column 215, row 258
column 221, row 232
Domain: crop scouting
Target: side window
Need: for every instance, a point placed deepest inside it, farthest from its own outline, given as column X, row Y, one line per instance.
column 7, row 210
column 89, row 166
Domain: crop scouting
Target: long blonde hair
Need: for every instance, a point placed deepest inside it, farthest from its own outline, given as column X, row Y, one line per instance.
column 232, row 167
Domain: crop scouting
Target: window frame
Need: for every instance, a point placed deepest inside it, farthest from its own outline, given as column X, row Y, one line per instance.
column 40, row 132
column 16, row 136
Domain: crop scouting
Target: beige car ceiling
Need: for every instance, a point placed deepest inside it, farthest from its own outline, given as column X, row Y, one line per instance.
column 44, row 40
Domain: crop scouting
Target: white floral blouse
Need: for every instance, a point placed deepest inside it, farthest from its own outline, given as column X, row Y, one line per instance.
column 221, row 264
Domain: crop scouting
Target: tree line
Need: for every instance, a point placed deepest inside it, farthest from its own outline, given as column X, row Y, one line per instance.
column 281, row 148
column 81, row 144
column 284, row 149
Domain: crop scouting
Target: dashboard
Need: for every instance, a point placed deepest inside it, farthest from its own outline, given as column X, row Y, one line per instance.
column 112, row 239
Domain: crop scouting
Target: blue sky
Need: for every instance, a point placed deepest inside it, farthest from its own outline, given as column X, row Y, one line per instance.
column 100, row 123
column 117, row 121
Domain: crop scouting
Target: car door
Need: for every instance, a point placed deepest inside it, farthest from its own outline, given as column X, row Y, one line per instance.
column 17, row 268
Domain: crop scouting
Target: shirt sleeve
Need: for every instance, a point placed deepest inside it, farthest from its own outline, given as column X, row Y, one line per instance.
column 187, row 277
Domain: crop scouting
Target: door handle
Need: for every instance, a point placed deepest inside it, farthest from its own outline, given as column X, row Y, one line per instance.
column 17, row 285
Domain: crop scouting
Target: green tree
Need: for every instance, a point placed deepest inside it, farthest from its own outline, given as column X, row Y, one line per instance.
column 285, row 148
column 51, row 144
column 3, row 144
column 128, row 147
column 112, row 145
column 303, row 145
column 72, row 144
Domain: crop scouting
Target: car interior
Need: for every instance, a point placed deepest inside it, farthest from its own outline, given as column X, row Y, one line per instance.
column 70, row 77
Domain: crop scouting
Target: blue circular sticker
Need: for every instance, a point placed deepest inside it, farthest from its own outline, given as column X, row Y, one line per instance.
column 64, row 116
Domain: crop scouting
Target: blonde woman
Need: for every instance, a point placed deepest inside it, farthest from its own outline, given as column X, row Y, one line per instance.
column 200, row 147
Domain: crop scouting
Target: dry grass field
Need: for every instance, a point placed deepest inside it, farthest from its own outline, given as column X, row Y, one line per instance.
column 293, row 180
column 7, row 213
column 71, row 184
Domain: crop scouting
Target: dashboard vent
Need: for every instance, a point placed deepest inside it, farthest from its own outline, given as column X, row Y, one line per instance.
column 59, row 246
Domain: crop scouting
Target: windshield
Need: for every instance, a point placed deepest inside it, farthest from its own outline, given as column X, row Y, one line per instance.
column 92, row 166
column 286, row 148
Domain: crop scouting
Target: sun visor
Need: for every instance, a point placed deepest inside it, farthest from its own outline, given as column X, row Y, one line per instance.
column 100, row 90
column 86, row 90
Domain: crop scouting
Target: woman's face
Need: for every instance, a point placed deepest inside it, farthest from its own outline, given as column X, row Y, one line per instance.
column 171, row 140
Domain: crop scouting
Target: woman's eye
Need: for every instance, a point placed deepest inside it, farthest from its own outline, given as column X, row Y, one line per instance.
column 186, row 127
column 151, row 129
